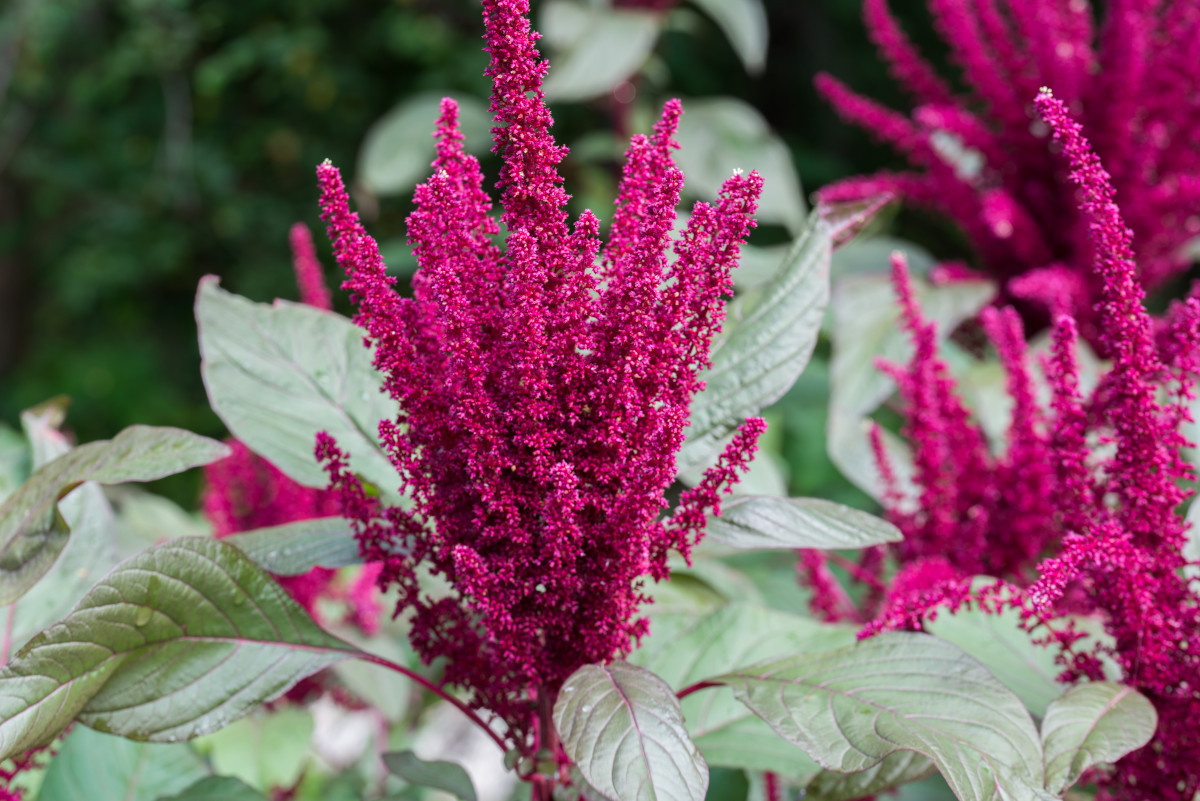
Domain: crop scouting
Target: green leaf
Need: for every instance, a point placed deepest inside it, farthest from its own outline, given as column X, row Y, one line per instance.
column 447, row 776
column 596, row 48
column 718, row 135
column 265, row 749
column 1093, row 723
column 276, row 375
column 622, row 726
column 296, row 548
column 768, row 338
column 174, row 643
column 896, row 769
column 764, row 522
column 91, row 765
column 32, row 530
column 217, row 788
column 744, row 23
column 398, row 148
column 90, row 551
column 998, row 641
column 851, row 708
column 728, row 638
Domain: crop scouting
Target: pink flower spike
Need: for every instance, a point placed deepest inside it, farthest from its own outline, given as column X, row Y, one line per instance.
column 309, row 277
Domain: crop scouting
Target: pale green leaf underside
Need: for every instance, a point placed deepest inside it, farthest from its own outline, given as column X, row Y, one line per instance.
column 33, row 533
column 768, row 338
column 622, row 726
column 174, row 643
column 90, row 765
column 278, row 374
column 1093, row 723
column 852, row 707
column 765, row 522
column 296, row 548
column 217, row 788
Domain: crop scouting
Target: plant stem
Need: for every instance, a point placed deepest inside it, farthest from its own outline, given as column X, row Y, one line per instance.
column 700, row 685
column 440, row 693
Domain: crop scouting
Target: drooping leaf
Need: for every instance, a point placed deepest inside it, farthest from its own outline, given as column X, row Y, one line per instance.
column 296, row 548
column 727, row 638
column 851, row 708
column 32, row 529
column 91, row 765
column 1093, row 723
column 744, row 23
column 622, row 726
column 397, row 150
column 1010, row 653
column 896, row 769
column 597, row 47
column 765, row 522
column 278, row 374
column 447, row 776
column 176, row 642
column 768, row 338
column 217, row 788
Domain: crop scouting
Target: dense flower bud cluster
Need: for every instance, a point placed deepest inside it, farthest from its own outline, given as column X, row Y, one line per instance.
column 1091, row 487
column 544, row 384
column 984, row 159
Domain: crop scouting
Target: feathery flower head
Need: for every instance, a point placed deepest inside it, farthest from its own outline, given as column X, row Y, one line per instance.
column 984, row 160
column 544, row 387
column 1105, row 525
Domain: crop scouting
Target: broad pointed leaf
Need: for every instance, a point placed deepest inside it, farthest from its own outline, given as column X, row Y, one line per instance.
column 33, row 532
column 296, row 548
column 728, row 638
column 766, row 522
column 622, row 726
column 998, row 641
column 91, row 765
column 767, row 341
column 1092, row 723
column 447, row 776
column 851, row 708
column 598, row 47
column 278, row 374
column 175, row 642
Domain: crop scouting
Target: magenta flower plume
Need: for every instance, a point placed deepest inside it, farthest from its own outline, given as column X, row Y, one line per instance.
column 981, row 162
column 1105, row 525
column 544, row 388
column 309, row 276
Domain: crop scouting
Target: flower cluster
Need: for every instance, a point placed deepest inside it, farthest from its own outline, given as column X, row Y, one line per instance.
column 10, row 769
column 243, row 491
column 544, row 386
column 984, row 159
column 1103, row 522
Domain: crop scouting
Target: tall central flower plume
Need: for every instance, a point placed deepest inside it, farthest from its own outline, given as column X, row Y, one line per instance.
column 544, row 388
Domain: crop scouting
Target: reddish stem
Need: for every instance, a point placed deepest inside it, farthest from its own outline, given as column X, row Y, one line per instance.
column 440, row 693
column 700, row 685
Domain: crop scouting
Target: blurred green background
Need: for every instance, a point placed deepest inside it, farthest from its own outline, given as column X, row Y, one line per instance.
column 146, row 143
